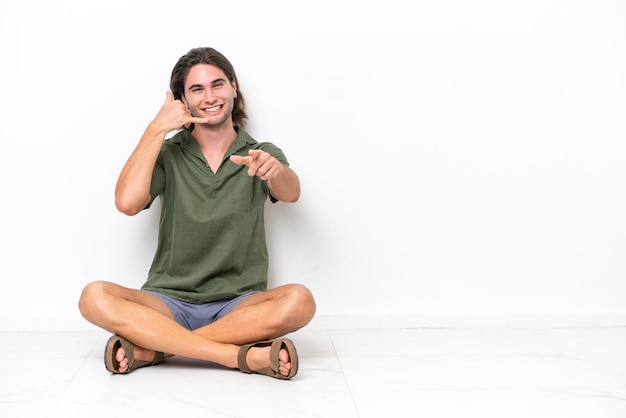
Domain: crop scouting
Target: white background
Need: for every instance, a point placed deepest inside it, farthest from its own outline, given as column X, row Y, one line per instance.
column 458, row 159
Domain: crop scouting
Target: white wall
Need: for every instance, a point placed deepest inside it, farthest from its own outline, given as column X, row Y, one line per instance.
column 458, row 159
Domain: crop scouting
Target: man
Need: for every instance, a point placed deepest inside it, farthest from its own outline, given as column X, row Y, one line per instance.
column 205, row 297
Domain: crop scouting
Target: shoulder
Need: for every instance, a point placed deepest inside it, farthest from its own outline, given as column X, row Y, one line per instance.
column 273, row 150
column 174, row 144
column 178, row 139
column 253, row 143
column 244, row 137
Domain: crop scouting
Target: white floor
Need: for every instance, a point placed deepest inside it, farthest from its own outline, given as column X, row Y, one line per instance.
column 503, row 373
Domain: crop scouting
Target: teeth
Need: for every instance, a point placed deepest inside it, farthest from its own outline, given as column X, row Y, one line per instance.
column 212, row 109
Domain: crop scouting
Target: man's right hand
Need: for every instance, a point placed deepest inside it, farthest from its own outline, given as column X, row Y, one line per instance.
column 173, row 115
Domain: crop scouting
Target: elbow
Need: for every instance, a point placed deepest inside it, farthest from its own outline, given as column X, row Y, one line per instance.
column 291, row 195
column 294, row 197
column 289, row 192
column 127, row 207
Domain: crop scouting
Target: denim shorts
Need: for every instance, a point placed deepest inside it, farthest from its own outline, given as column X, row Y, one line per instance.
column 193, row 316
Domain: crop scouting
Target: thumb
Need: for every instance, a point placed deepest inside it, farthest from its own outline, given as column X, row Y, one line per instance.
column 169, row 97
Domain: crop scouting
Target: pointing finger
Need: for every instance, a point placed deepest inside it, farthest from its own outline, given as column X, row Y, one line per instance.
column 238, row 159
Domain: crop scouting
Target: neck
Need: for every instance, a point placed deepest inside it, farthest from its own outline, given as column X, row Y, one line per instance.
column 214, row 141
column 214, row 138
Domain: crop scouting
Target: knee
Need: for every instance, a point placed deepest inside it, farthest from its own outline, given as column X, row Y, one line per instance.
column 301, row 304
column 92, row 298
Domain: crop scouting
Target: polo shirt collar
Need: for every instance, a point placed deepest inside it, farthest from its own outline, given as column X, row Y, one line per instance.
column 243, row 140
column 188, row 142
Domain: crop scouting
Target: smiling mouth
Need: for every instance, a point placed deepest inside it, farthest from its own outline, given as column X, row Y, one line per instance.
column 212, row 109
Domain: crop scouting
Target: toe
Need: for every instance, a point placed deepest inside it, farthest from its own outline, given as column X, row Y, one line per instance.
column 284, row 364
column 283, row 356
column 120, row 355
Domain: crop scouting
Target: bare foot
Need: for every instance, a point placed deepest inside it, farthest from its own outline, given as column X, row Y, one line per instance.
column 139, row 354
column 259, row 358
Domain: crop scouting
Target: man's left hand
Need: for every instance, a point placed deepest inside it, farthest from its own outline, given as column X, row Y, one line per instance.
column 260, row 163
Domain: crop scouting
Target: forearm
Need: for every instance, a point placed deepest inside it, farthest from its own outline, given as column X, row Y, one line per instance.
column 132, row 191
column 285, row 186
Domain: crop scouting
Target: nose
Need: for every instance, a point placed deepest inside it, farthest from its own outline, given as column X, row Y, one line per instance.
column 209, row 96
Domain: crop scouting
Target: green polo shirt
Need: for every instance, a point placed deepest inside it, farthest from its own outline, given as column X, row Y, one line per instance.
column 211, row 243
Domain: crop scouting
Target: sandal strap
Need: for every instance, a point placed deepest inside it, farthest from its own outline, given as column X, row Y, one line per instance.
column 242, row 364
column 112, row 365
column 158, row 358
column 276, row 345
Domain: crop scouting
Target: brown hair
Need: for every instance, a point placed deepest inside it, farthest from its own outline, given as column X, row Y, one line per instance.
column 212, row 57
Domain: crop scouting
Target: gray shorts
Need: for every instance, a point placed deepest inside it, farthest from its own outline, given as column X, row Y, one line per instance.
column 193, row 316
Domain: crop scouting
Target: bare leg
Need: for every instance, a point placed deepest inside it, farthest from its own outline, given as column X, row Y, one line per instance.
column 145, row 321
column 263, row 316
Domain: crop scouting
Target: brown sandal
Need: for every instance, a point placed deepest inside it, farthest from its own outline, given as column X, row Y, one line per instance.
column 112, row 365
column 273, row 370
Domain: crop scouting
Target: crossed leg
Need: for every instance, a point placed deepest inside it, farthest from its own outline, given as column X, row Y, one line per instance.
column 146, row 321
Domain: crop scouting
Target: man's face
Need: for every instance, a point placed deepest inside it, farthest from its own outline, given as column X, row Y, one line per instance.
column 209, row 94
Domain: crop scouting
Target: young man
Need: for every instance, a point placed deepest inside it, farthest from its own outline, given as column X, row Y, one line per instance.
column 205, row 297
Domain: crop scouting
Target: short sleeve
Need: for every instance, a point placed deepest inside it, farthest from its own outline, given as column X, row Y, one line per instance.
column 157, row 183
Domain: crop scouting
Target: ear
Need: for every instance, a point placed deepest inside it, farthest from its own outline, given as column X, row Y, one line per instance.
column 234, row 85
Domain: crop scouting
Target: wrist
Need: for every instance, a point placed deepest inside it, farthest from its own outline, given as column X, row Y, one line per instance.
column 154, row 130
